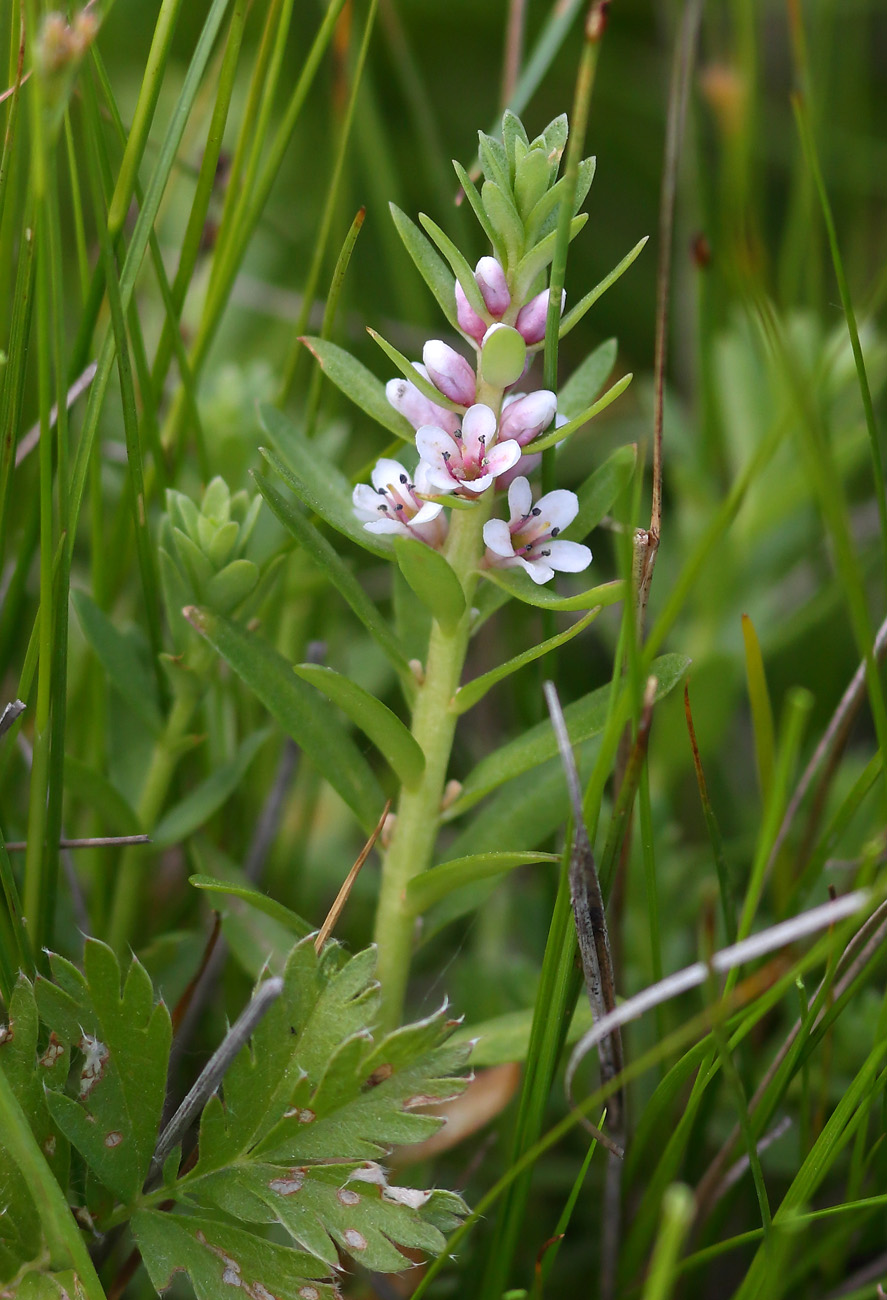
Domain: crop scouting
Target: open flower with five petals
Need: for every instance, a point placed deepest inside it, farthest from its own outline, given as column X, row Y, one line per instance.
column 468, row 460
column 529, row 540
column 393, row 505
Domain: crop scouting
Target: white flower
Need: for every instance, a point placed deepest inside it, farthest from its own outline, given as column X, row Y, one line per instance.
column 529, row 538
column 392, row 504
column 468, row 460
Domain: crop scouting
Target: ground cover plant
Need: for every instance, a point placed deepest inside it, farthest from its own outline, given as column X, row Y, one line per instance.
column 442, row 800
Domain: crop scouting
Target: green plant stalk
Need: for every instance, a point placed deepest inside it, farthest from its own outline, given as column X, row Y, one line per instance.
column 66, row 1245
column 418, row 811
column 167, row 752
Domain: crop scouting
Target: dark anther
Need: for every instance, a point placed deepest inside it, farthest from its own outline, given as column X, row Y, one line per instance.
column 398, row 507
column 535, row 512
column 382, row 492
column 554, row 532
column 446, row 455
column 382, row 507
column 545, row 552
column 482, row 440
column 404, row 478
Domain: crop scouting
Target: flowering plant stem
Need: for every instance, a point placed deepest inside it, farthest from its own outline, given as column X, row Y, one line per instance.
column 418, row 813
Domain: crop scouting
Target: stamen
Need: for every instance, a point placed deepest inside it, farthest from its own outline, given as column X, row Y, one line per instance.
column 482, row 439
column 545, row 552
column 404, row 478
column 446, row 456
column 535, row 512
column 554, row 532
column 383, row 506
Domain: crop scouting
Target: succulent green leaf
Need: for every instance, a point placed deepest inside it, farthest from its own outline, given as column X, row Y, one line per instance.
column 543, row 218
column 567, row 430
column 230, row 586
column 120, row 660
column 521, row 585
column 261, row 902
column 358, row 383
column 468, row 695
column 409, row 371
column 575, row 314
column 541, row 254
column 432, row 579
column 207, row 798
column 123, row 1040
column 587, row 380
column 530, row 181
column 503, row 356
column 431, row 886
column 505, row 220
column 310, row 721
column 494, row 160
column 218, row 1258
column 384, row 728
column 328, row 559
column 176, row 595
column 585, row 718
column 332, row 506
column 471, row 193
column 601, row 489
column 194, row 562
column 429, row 263
column 512, row 131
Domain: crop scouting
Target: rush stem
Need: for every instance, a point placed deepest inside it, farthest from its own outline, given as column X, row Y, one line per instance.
column 418, row 812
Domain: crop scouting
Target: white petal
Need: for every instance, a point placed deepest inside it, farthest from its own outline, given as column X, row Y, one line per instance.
column 432, row 442
column 478, row 422
column 497, row 535
column 520, row 499
column 568, row 557
column 387, row 525
column 502, row 457
column 366, row 501
column 429, row 511
column 538, row 570
column 422, row 483
column 558, row 508
column 387, row 472
column 476, row 485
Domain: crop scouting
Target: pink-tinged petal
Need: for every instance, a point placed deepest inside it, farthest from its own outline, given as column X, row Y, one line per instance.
column 531, row 318
column 568, row 557
column 497, row 536
column 502, row 457
column 493, row 285
column 416, row 407
column 389, row 473
column 525, row 418
column 520, row 499
column 538, row 570
column 468, row 319
column 557, row 509
column 476, row 485
column 430, row 510
column 423, row 485
column 449, row 372
column 435, row 445
column 366, row 501
column 387, row 526
column 478, row 423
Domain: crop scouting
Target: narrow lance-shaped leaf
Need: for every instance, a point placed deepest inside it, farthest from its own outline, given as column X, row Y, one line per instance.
column 184, row 818
column 599, row 491
column 384, row 728
column 358, row 383
column 119, row 658
column 567, row 430
column 468, row 695
column 432, row 579
column 409, row 371
column 575, row 314
column 431, row 886
column 460, row 267
column 585, row 383
column 310, row 721
column 520, row 585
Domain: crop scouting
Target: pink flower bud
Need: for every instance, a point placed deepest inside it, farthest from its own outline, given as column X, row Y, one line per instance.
column 449, row 372
column 468, row 319
column 531, row 318
column 524, row 418
column 493, row 285
column 415, row 406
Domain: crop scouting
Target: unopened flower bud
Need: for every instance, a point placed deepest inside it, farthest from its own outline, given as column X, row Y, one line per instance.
column 449, row 372
column 526, row 417
column 493, row 285
column 469, row 321
column 503, row 355
column 416, row 407
column 531, row 318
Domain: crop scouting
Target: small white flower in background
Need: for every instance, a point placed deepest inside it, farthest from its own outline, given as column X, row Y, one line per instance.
column 470, row 459
column 530, row 538
column 416, row 407
column 392, row 504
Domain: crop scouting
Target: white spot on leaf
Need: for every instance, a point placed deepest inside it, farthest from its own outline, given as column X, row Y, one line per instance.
column 96, row 1055
column 54, row 1050
column 356, row 1240
column 347, row 1197
column 287, row 1186
column 410, row 1196
column 113, row 1139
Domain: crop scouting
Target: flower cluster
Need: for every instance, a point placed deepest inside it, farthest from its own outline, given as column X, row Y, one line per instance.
column 474, row 431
